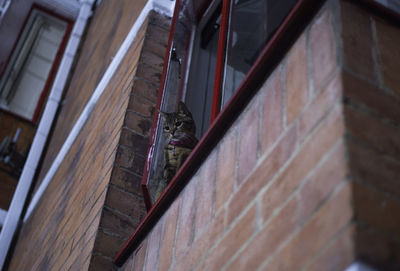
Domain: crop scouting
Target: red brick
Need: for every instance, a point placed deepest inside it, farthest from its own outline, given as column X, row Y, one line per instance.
column 145, row 89
column 107, row 245
column 248, row 143
column 100, row 263
column 154, row 60
column 126, row 203
column 357, row 40
column 61, row 232
column 153, row 247
column 263, row 174
column 155, row 48
column 320, row 107
column 158, row 34
column 85, row 265
column 140, row 105
column 118, row 223
column 388, row 40
column 136, row 142
column 323, row 50
column 201, row 245
column 379, row 250
column 361, row 92
column 339, row 255
column 149, row 73
column 194, row 254
column 226, row 169
column 138, row 123
column 377, row 210
column 232, row 242
column 88, row 228
column 205, row 193
column 168, row 240
column 323, row 181
column 370, row 130
column 315, row 235
column 140, row 255
column 375, row 168
column 306, row 159
column 159, row 20
column 217, row 227
column 108, row 154
column 130, row 160
column 186, row 217
column 272, row 111
column 296, row 80
column 126, row 180
column 269, row 239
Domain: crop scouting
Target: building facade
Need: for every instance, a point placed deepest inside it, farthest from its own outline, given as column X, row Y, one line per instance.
column 298, row 169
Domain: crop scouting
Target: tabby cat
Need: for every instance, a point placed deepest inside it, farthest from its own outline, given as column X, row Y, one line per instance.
column 179, row 129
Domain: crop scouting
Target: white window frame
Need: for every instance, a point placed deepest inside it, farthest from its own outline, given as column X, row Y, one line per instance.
column 21, row 53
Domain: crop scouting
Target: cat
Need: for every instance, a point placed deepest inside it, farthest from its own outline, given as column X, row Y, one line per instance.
column 179, row 129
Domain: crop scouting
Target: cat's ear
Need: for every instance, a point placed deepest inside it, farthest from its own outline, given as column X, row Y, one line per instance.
column 183, row 110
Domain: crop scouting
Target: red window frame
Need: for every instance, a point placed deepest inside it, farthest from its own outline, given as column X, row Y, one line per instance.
column 269, row 58
column 217, row 91
column 54, row 67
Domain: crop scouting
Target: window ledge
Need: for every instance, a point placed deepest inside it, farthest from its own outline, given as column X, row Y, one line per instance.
column 272, row 54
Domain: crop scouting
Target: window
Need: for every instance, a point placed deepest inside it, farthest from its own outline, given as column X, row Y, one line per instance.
column 24, row 81
column 4, row 5
column 211, row 53
column 188, row 17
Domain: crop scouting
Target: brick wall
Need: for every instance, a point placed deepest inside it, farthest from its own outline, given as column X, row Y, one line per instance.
column 108, row 28
column 276, row 179
column 124, row 204
column 94, row 201
column 372, row 116
column 306, row 178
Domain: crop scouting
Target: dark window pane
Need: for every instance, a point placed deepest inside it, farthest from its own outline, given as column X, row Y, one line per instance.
column 253, row 22
column 201, row 84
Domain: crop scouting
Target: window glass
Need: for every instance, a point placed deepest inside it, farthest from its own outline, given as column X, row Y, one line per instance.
column 22, row 87
column 172, row 94
column 200, row 92
column 194, row 46
column 252, row 24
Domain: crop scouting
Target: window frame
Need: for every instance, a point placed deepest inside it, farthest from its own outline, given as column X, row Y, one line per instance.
column 273, row 52
column 15, row 51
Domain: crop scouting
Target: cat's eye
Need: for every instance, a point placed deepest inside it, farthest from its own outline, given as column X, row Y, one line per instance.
column 166, row 128
column 179, row 123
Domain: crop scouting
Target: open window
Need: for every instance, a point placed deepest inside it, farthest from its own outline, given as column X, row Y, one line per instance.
column 249, row 49
column 27, row 76
column 213, row 46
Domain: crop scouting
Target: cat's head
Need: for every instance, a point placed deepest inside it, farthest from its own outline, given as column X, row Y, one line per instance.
column 180, row 121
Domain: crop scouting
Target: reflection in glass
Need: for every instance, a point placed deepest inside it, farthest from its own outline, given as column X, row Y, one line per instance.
column 172, row 95
column 252, row 24
column 200, row 91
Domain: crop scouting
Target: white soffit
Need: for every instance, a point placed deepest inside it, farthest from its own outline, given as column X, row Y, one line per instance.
column 359, row 266
column 67, row 8
column 165, row 7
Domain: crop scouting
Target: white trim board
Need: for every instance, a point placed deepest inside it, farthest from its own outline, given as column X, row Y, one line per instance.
column 89, row 107
column 151, row 4
column 13, row 216
column 3, row 214
column 164, row 7
column 359, row 266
